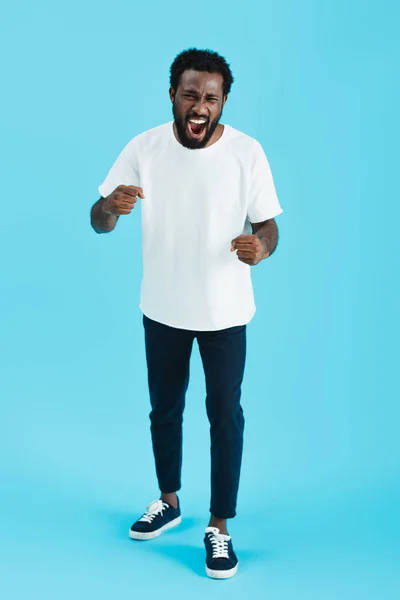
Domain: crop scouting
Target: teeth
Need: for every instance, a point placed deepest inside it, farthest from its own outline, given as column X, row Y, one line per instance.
column 197, row 121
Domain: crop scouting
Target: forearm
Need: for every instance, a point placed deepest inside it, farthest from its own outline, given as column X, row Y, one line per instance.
column 101, row 221
column 267, row 232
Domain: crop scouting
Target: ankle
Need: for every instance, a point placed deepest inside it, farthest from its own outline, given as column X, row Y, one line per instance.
column 219, row 524
column 171, row 499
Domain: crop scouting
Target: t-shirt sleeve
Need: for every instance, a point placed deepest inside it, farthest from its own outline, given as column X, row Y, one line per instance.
column 263, row 201
column 124, row 171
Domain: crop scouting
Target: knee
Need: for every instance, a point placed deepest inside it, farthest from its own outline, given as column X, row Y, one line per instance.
column 162, row 414
column 223, row 411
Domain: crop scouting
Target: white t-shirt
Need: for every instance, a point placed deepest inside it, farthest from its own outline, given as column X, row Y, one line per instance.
column 196, row 202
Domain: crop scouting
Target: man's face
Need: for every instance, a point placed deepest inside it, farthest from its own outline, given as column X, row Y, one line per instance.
column 199, row 97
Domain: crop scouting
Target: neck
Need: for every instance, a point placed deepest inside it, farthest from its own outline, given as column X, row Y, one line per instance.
column 216, row 135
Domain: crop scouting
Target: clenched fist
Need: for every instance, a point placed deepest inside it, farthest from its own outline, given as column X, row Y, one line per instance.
column 250, row 249
column 122, row 200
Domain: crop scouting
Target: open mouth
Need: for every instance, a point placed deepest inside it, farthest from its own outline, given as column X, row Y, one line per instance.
column 196, row 128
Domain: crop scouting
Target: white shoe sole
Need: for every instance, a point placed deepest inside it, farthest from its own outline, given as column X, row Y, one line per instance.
column 222, row 574
column 137, row 535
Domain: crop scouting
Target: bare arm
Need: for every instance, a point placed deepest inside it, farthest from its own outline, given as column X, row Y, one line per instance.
column 267, row 232
column 101, row 221
column 252, row 249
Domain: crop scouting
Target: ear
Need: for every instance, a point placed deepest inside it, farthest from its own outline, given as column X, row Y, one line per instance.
column 224, row 100
column 172, row 94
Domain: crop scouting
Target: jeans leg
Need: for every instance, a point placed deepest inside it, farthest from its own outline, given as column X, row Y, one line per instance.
column 168, row 352
column 224, row 355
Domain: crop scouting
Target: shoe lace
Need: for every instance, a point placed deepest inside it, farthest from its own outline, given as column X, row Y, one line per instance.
column 219, row 545
column 155, row 508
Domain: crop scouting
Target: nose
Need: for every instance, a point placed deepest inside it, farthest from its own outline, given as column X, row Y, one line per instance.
column 198, row 107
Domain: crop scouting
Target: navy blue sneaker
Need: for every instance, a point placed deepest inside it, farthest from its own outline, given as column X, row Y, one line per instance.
column 158, row 517
column 221, row 561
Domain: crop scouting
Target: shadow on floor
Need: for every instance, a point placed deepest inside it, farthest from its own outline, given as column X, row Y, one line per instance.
column 193, row 557
column 171, row 545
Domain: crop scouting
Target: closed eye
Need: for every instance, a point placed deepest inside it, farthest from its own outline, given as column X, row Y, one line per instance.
column 209, row 99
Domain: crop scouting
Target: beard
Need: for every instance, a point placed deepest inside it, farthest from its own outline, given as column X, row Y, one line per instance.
column 181, row 128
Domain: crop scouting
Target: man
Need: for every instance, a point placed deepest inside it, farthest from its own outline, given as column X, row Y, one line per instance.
column 208, row 212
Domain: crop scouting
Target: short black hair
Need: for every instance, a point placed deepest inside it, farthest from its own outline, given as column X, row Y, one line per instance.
column 201, row 60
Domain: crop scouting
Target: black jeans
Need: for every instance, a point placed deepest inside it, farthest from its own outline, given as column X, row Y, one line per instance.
column 223, row 354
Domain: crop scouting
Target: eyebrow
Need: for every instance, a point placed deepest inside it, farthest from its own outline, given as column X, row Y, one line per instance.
column 191, row 91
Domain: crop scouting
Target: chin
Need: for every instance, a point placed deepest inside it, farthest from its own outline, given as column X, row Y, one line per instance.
column 194, row 144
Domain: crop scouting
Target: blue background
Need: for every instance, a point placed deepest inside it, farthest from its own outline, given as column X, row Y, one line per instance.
column 316, row 85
